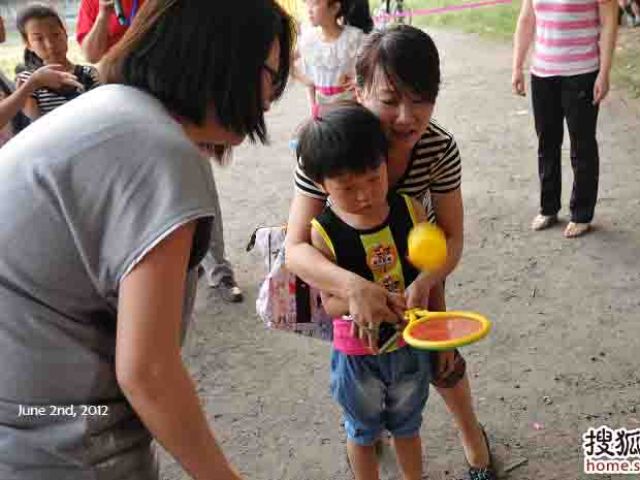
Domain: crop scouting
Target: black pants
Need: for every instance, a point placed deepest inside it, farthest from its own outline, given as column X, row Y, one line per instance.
column 554, row 99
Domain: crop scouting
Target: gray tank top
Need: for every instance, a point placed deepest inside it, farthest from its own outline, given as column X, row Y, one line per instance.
column 86, row 192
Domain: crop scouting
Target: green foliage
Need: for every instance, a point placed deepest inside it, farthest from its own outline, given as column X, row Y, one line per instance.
column 496, row 21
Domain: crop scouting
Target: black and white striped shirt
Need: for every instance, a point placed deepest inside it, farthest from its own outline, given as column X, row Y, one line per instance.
column 49, row 100
column 434, row 166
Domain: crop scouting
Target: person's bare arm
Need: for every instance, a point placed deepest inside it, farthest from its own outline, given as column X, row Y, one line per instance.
column 297, row 71
column 449, row 213
column 368, row 302
column 608, row 10
column 522, row 39
column 10, row 106
column 47, row 76
column 96, row 43
column 311, row 96
column 149, row 367
column 31, row 108
column 427, row 290
column 304, row 260
column 333, row 305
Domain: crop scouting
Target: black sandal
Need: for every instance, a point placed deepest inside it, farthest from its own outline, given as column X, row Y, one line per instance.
column 484, row 473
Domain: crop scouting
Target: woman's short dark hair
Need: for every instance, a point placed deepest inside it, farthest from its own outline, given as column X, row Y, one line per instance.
column 407, row 56
column 196, row 54
column 346, row 139
column 35, row 11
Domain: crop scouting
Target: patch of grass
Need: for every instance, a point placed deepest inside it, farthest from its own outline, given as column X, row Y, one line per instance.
column 497, row 21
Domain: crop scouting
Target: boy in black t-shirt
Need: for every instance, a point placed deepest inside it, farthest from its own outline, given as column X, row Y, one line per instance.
column 364, row 229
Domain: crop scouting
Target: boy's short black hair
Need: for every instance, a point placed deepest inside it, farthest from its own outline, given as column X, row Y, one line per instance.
column 195, row 54
column 407, row 56
column 347, row 139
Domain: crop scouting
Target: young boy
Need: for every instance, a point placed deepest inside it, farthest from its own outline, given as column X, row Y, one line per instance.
column 364, row 229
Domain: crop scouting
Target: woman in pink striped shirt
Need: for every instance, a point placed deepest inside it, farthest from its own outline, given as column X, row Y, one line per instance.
column 573, row 48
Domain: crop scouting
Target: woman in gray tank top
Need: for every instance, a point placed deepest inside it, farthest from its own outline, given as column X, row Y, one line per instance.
column 106, row 205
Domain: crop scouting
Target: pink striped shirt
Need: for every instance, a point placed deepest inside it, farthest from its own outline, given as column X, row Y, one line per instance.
column 567, row 35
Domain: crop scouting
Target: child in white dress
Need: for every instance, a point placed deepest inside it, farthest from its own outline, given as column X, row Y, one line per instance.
column 328, row 48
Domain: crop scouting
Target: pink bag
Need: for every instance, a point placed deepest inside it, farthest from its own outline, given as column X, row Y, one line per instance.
column 286, row 302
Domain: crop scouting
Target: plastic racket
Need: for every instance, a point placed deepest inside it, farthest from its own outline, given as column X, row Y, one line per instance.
column 443, row 330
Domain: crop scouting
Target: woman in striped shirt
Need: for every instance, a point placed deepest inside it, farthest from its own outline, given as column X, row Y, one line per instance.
column 573, row 48
column 45, row 39
column 423, row 162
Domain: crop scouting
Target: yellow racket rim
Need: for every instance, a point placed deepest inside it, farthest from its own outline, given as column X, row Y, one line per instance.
column 417, row 316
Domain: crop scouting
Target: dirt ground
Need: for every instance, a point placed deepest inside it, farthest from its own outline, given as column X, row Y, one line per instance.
column 566, row 312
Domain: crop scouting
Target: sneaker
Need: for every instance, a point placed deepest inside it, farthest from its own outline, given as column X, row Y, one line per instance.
column 229, row 291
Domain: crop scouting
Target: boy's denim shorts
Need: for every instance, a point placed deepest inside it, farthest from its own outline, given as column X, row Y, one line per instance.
column 381, row 392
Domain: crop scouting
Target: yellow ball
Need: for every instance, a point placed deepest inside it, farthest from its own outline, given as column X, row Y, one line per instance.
column 427, row 247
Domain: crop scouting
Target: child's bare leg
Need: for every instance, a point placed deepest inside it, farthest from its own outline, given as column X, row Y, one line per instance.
column 409, row 453
column 363, row 461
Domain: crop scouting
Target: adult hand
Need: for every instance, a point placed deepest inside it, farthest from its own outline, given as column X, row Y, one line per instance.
column 106, row 7
column 417, row 293
column 518, row 82
column 348, row 82
column 445, row 364
column 53, row 77
column 600, row 87
column 369, row 305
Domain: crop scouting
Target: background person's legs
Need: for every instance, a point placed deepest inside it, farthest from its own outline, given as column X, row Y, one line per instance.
column 548, row 116
column 218, row 270
column 582, row 117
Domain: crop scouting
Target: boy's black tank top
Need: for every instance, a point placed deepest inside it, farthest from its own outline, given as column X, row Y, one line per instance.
column 378, row 254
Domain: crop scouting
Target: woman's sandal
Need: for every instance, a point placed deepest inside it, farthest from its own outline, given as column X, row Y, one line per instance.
column 575, row 230
column 542, row 222
column 484, row 473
